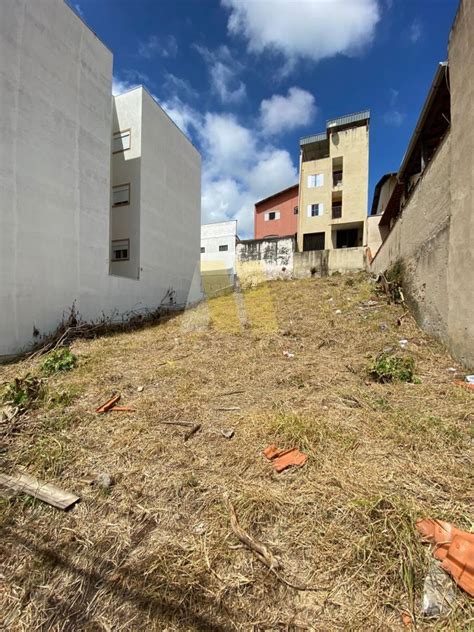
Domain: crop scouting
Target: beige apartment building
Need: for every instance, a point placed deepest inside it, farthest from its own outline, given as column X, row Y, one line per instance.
column 334, row 176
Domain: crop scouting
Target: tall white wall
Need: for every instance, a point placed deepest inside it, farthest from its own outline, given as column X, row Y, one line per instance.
column 55, row 104
column 55, row 181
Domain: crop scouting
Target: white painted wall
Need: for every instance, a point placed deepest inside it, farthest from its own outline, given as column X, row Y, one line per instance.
column 213, row 236
column 55, row 163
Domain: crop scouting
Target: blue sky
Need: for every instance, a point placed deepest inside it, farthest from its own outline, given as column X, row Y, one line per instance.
column 245, row 79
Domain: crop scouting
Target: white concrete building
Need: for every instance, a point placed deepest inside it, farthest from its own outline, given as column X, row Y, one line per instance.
column 218, row 241
column 71, row 231
column 218, row 246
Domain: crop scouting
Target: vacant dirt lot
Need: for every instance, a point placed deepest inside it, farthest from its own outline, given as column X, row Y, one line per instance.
column 155, row 551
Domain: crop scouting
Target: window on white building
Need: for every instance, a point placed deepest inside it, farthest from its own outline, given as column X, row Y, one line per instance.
column 316, row 180
column 203, row 249
column 120, row 249
column 315, row 210
column 223, row 248
column 121, row 195
column 121, row 141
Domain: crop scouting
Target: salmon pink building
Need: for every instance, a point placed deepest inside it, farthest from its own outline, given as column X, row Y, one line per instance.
column 277, row 215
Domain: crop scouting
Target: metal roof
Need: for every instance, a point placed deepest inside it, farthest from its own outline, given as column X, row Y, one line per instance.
column 315, row 138
column 348, row 119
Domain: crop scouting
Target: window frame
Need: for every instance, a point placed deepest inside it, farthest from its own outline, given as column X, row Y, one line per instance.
column 320, row 212
column 313, row 177
column 114, row 241
column 203, row 249
column 116, row 186
column 122, row 131
column 224, row 248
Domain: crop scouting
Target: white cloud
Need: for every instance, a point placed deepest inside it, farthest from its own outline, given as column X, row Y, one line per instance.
column 228, row 146
column 280, row 113
column 122, row 85
column 313, row 29
column 223, row 71
column 78, row 9
column 186, row 118
column 415, row 31
column 393, row 116
column 153, row 46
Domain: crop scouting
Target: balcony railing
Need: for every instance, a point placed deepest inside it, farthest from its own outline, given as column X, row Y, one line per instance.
column 336, row 211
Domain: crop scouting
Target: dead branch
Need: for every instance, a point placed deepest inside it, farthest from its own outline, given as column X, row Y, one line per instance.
column 261, row 551
column 193, row 430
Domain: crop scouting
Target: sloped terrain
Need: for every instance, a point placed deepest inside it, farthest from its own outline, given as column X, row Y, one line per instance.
column 155, row 551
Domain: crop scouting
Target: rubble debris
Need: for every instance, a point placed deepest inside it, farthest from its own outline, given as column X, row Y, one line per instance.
column 403, row 343
column 46, row 492
column 227, row 433
column 287, row 354
column 453, row 547
column 438, row 593
column 338, row 311
column 140, row 389
column 122, row 409
column 383, row 327
column 282, row 459
column 469, row 379
column 406, row 619
column 467, row 385
column 199, row 528
column 228, row 408
column 108, row 404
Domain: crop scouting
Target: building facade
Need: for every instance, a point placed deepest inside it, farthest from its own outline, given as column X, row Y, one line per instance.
column 277, row 215
column 333, row 188
column 108, row 233
column 218, row 247
column 428, row 222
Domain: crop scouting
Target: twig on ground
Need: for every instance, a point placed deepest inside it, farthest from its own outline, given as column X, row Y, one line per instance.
column 261, row 551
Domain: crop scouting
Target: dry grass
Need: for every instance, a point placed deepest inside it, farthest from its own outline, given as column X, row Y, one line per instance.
column 155, row 551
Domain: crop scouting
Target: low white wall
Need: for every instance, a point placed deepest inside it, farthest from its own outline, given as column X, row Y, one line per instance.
column 271, row 258
column 324, row 262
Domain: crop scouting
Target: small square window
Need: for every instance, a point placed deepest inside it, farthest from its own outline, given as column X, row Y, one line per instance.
column 315, row 210
column 203, row 249
column 120, row 249
column 121, row 141
column 223, row 248
column 121, row 195
column 272, row 215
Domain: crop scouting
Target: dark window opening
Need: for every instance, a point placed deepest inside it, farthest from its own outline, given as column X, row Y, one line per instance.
column 348, row 238
column 203, row 249
column 295, row 211
column 336, row 210
column 272, row 215
column 223, row 248
column 336, row 178
column 314, row 241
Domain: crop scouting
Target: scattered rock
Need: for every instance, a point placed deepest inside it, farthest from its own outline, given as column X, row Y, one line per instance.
column 383, row 327
column 403, row 343
column 103, row 480
column 338, row 311
column 287, row 354
column 199, row 528
column 140, row 389
column 228, row 433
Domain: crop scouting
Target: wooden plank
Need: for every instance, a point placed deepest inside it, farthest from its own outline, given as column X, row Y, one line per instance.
column 46, row 492
column 108, row 405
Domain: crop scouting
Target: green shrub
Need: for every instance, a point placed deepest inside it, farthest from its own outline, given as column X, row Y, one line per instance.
column 391, row 368
column 23, row 392
column 59, row 360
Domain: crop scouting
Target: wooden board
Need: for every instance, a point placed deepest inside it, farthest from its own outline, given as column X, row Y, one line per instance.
column 39, row 489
